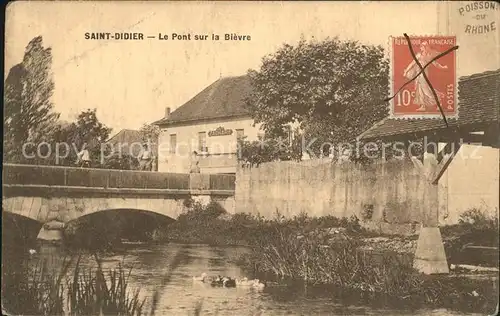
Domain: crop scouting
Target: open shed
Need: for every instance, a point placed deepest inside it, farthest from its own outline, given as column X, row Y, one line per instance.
column 478, row 123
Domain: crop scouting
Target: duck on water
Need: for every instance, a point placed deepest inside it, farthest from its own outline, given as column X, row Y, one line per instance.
column 220, row 281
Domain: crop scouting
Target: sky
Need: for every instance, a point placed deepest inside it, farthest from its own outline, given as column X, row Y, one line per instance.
column 132, row 82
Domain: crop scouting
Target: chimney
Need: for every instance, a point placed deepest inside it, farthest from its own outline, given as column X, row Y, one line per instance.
column 167, row 112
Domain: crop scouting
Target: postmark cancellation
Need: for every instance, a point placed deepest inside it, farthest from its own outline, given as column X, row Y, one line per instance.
column 423, row 82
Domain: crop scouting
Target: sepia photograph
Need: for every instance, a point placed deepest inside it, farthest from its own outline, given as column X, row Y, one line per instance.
column 251, row 158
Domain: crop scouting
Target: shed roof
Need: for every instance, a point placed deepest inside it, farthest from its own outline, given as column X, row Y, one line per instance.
column 127, row 141
column 479, row 98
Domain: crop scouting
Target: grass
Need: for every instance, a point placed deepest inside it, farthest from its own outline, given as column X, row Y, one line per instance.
column 83, row 291
column 476, row 228
column 33, row 292
column 96, row 293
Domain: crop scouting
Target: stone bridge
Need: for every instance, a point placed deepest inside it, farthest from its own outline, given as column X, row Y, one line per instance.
column 62, row 194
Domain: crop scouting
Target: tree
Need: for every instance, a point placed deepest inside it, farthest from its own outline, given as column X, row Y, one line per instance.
column 28, row 109
column 86, row 130
column 149, row 132
column 253, row 153
column 333, row 89
column 120, row 161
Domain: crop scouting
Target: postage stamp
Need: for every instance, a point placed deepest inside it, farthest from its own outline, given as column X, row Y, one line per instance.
column 414, row 97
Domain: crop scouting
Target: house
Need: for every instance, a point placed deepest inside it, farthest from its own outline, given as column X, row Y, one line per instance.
column 210, row 124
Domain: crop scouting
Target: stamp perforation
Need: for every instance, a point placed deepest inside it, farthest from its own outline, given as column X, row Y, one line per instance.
column 423, row 116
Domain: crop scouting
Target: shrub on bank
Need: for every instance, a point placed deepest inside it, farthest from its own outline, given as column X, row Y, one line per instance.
column 211, row 224
column 474, row 228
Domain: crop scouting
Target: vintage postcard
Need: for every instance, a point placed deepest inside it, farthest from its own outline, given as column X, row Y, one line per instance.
column 251, row 158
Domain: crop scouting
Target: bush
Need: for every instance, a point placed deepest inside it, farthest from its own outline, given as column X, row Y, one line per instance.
column 476, row 228
column 212, row 225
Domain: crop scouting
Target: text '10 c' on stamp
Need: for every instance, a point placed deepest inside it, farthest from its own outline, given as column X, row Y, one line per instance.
column 414, row 97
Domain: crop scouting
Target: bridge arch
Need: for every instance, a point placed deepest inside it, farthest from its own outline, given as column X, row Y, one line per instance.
column 65, row 209
column 125, row 211
column 108, row 227
column 18, row 231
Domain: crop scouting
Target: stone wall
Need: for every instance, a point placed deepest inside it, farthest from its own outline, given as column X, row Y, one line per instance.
column 386, row 196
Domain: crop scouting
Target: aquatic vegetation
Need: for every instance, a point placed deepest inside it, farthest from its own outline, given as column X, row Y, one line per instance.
column 81, row 292
column 78, row 291
column 35, row 291
column 327, row 251
column 96, row 293
column 296, row 252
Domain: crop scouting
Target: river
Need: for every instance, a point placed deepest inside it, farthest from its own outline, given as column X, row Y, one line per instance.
column 151, row 264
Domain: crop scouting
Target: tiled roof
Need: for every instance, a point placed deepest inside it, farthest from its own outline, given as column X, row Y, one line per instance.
column 223, row 98
column 125, row 138
column 479, row 102
column 126, row 135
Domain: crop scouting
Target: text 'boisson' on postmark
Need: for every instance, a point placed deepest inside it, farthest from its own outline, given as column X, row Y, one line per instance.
column 413, row 96
column 483, row 12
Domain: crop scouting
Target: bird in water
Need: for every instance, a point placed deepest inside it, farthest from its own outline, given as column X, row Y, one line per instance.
column 224, row 282
column 257, row 284
column 32, row 251
column 245, row 282
column 217, row 281
column 201, row 278
column 228, row 282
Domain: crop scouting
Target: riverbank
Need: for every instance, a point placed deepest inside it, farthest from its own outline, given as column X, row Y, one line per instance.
column 334, row 258
column 340, row 254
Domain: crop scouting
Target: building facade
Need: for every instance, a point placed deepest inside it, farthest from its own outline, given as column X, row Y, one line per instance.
column 207, row 129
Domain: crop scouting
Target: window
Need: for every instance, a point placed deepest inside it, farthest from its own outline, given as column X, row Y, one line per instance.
column 240, row 133
column 173, row 143
column 202, row 142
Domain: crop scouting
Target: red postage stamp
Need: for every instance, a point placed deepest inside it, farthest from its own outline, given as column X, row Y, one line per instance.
column 413, row 96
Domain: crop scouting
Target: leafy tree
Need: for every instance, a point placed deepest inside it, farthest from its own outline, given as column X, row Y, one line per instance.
column 333, row 89
column 253, row 153
column 28, row 109
column 120, row 161
column 52, row 148
column 149, row 132
column 86, row 130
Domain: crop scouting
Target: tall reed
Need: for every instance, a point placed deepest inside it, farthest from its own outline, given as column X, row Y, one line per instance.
column 38, row 291
column 92, row 292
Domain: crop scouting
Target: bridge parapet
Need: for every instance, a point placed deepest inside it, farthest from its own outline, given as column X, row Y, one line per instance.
column 62, row 194
column 89, row 177
column 30, row 175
